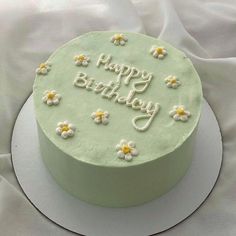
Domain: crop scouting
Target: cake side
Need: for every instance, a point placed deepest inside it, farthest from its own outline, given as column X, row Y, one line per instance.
column 116, row 187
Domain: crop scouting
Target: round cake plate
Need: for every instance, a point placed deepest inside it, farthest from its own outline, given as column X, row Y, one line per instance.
column 83, row 218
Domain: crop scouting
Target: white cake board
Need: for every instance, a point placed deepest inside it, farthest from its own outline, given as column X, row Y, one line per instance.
column 83, row 218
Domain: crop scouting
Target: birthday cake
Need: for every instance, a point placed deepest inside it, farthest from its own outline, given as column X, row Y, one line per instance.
column 117, row 114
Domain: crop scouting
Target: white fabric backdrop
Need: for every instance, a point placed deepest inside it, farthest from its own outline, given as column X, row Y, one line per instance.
column 206, row 30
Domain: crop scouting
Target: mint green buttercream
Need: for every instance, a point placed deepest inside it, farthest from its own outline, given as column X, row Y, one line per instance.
column 86, row 164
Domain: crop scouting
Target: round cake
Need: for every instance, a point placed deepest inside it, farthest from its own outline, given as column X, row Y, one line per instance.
column 117, row 114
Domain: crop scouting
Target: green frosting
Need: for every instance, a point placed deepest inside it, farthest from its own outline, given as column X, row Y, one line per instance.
column 95, row 144
column 86, row 164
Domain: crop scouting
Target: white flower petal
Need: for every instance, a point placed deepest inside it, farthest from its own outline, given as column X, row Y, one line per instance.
column 66, row 122
column 118, row 147
column 99, row 110
column 160, row 56
column 188, row 113
column 155, row 54
column 172, row 113
column 123, row 142
column 55, row 101
column 49, row 102
column 131, row 144
column 168, row 78
column 128, row 157
column 116, row 42
column 106, row 114
column 134, row 152
column 72, row 127
column 77, row 62
column 93, row 115
column 184, row 118
column 38, row 71
column 44, row 99
column 44, row 71
column 84, row 63
column 122, row 42
column 64, row 134
column 70, row 132
column 120, row 154
column 176, row 117
column 58, row 130
column 125, row 38
column 97, row 120
column 60, row 124
column 58, row 96
column 105, row 120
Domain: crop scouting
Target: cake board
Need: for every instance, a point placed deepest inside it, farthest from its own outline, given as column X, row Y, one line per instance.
column 86, row 219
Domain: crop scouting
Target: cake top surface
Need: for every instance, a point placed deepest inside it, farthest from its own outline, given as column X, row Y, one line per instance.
column 117, row 99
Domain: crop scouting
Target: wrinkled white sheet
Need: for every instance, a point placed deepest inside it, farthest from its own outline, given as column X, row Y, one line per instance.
column 206, row 30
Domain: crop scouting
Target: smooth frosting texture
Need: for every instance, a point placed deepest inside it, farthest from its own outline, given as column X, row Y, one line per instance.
column 95, row 143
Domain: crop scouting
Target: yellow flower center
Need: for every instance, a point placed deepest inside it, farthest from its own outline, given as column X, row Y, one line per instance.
column 65, row 128
column 118, row 37
column 126, row 149
column 99, row 114
column 180, row 111
column 159, row 50
column 42, row 66
column 81, row 57
column 51, row 95
column 173, row 81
